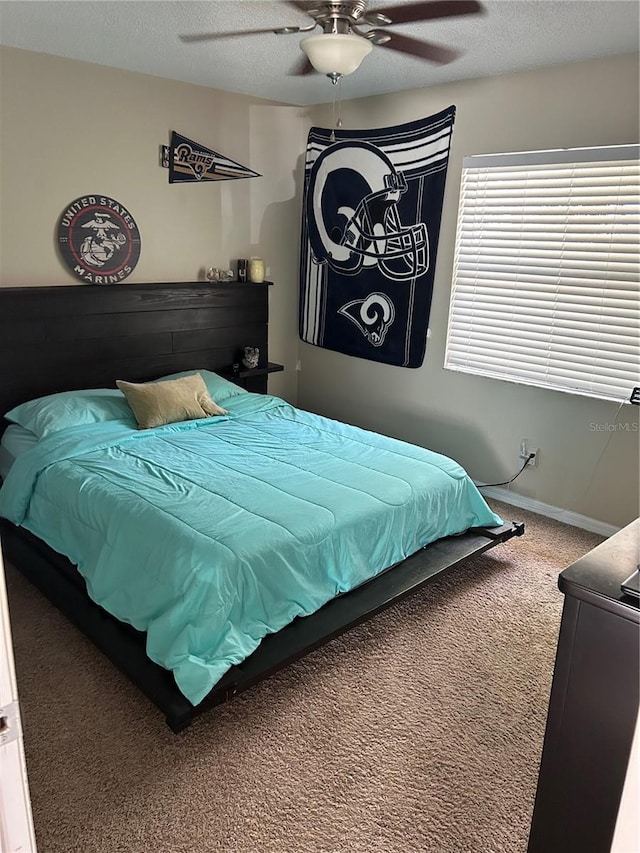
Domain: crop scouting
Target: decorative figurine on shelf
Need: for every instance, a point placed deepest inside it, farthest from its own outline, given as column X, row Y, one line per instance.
column 251, row 357
column 214, row 275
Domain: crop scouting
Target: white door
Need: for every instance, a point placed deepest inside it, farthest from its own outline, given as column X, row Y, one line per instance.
column 16, row 825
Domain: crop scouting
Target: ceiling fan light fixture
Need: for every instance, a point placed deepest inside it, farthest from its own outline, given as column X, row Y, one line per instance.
column 336, row 54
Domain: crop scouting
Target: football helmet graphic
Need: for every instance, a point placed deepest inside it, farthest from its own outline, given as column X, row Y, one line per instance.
column 353, row 218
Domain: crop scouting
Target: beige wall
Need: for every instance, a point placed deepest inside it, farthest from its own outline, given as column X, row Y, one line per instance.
column 480, row 421
column 69, row 128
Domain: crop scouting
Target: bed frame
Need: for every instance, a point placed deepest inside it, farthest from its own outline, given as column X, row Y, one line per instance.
column 84, row 336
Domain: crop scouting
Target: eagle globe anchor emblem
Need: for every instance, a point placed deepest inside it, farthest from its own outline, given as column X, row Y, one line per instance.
column 98, row 248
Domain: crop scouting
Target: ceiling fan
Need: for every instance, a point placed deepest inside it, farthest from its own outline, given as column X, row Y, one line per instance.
column 349, row 32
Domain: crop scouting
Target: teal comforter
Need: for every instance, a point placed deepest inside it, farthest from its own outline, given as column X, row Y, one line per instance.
column 210, row 534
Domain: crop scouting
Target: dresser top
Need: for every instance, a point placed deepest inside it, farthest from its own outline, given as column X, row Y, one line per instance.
column 597, row 576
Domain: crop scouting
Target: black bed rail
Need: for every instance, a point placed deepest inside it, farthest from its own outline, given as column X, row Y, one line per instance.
column 305, row 634
column 502, row 533
column 126, row 647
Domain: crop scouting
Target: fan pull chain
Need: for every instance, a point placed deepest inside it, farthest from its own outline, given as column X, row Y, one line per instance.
column 337, row 101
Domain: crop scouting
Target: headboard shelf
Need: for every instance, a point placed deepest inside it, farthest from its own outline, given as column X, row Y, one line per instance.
column 66, row 337
column 58, row 300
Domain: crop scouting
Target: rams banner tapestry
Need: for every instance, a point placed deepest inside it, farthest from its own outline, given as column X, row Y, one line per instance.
column 370, row 225
column 189, row 161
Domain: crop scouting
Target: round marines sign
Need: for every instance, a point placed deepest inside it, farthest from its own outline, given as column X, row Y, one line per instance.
column 99, row 239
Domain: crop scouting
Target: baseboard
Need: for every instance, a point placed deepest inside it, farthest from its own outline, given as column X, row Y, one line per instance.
column 575, row 519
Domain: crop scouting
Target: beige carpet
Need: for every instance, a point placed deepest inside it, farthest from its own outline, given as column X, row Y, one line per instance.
column 418, row 731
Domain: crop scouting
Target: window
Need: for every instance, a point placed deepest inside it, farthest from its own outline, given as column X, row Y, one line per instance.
column 546, row 275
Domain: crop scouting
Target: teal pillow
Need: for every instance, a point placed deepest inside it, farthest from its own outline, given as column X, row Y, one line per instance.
column 55, row 412
column 218, row 387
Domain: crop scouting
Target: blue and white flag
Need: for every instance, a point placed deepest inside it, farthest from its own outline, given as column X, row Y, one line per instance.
column 370, row 226
column 190, row 162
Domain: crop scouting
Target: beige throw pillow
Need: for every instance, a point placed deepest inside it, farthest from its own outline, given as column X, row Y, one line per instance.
column 158, row 403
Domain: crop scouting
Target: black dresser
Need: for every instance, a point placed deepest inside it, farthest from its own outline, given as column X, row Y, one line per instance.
column 593, row 705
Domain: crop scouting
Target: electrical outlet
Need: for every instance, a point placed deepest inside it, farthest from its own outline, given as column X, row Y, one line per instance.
column 526, row 451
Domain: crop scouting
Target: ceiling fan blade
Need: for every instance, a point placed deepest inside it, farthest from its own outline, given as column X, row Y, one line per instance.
column 424, row 49
column 429, row 11
column 301, row 67
column 213, row 36
column 303, row 5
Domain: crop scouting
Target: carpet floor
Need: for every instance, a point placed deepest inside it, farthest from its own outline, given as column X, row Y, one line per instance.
column 420, row 730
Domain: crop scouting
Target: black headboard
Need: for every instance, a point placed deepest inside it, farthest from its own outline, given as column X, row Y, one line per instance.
column 67, row 337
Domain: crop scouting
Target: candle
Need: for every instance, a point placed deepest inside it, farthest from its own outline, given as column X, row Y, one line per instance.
column 256, row 270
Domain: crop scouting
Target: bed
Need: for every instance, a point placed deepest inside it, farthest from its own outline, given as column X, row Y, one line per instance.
column 311, row 526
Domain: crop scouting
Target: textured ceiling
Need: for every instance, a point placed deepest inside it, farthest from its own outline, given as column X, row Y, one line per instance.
column 512, row 35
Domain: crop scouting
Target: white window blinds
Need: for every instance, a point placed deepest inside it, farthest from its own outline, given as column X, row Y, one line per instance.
column 546, row 276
